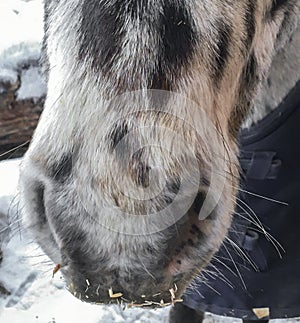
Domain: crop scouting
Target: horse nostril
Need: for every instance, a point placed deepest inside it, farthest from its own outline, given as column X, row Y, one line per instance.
column 39, row 202
column 198, row 202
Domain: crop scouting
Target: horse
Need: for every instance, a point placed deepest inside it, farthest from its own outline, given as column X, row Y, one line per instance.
column 130, row 182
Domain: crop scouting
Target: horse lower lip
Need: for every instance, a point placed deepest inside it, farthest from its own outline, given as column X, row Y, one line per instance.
column 148, row 296
column 155, row 301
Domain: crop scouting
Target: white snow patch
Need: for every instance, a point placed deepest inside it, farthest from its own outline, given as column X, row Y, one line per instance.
column 9, row 176
column 16, row 56
column 20, row 21
column 7, row 75
column 32, row 84
column 21, row 25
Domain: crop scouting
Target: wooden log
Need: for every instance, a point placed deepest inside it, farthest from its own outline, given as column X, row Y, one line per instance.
column 18, row 119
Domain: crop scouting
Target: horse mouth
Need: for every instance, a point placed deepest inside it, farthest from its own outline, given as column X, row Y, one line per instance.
column 91, row 278
column 158, row 300
column 133, row 289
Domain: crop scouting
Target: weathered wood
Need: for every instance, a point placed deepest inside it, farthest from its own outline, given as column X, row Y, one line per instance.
column 18, row 119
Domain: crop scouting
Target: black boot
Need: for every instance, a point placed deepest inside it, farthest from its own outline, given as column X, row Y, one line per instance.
column 180, row 313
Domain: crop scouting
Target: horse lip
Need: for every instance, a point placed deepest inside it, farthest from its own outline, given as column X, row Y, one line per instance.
column 157, row 300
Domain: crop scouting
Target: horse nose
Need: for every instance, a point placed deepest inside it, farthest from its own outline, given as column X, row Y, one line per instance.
column 39, row 198
column 33, row 194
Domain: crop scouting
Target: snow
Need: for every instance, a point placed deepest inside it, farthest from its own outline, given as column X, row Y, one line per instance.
column 32, row 84
column 22, row 22
column 15, row 56
column 9, row 76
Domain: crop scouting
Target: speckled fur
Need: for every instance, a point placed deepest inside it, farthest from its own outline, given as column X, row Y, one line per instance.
column 109, row 181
